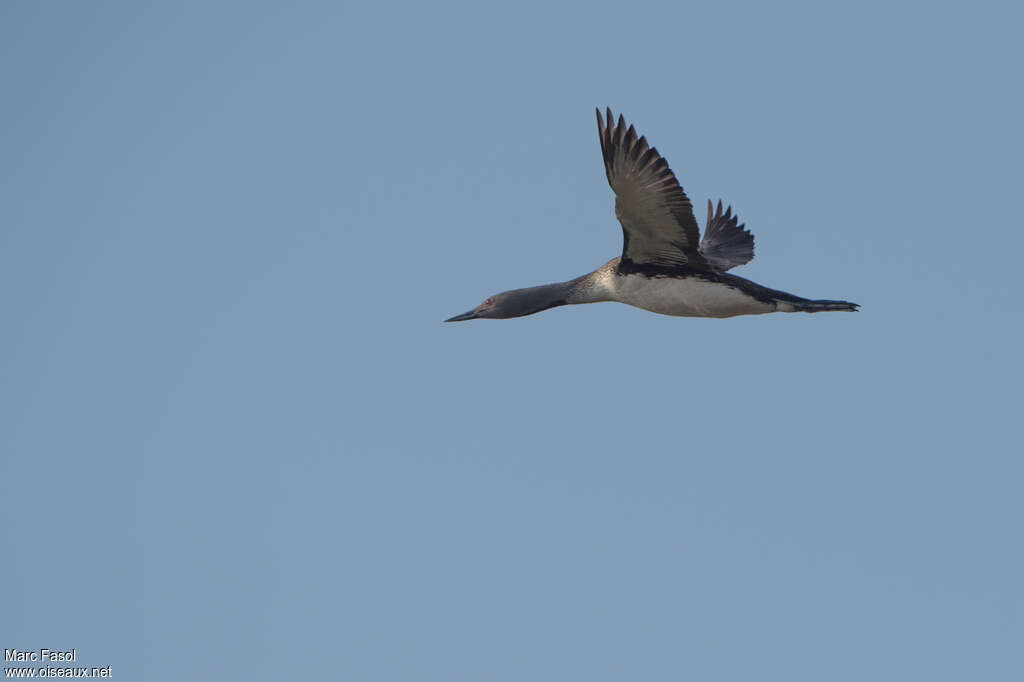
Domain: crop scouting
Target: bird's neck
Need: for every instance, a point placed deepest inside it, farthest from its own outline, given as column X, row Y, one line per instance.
column 589, row 288
column 535, row 299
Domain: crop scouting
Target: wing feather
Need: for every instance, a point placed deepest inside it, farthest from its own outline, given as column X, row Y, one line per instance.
column 726, row 244
column 658, row 225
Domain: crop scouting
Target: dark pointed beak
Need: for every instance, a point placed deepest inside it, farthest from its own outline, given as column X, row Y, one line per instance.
column 471, row 315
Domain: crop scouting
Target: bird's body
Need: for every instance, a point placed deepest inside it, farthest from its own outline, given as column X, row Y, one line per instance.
column 664, row 267
column 683, row 294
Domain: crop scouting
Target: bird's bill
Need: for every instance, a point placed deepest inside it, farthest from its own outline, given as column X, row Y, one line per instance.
column 471, row 315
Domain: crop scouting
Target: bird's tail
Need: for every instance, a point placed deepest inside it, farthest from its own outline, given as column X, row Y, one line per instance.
column 807, row 306
column 788, row 303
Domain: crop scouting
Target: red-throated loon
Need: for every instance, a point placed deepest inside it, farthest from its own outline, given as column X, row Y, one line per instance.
column 665, row 267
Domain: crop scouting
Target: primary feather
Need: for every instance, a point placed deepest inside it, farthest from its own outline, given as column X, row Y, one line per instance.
column 725, row 244
column 658, row 225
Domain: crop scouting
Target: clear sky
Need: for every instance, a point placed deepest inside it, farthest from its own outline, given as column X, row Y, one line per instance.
column 237, row 441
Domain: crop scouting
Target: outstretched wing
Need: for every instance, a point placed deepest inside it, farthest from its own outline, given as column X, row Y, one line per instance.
column 726, row 244
column 658, row 226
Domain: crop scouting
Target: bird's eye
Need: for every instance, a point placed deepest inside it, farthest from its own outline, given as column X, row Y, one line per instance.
column 489, row 301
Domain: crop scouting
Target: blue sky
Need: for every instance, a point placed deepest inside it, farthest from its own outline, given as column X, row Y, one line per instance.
column 237, row 442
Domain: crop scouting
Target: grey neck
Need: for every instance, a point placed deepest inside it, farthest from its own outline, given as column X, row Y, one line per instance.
column 519, row 302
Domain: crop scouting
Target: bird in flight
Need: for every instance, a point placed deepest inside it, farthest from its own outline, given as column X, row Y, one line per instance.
column 665, row 266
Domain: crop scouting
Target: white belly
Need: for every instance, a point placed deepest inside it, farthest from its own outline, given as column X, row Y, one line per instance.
column 690, row 297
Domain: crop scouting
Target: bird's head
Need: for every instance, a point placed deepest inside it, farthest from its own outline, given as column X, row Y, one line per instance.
column 496, row 307
column 516, row 303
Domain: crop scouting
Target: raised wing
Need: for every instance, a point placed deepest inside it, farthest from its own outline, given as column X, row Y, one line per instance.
column 726, row 244
column 658, row 226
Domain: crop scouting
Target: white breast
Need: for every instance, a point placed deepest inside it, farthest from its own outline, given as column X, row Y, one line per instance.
column 688, row 297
